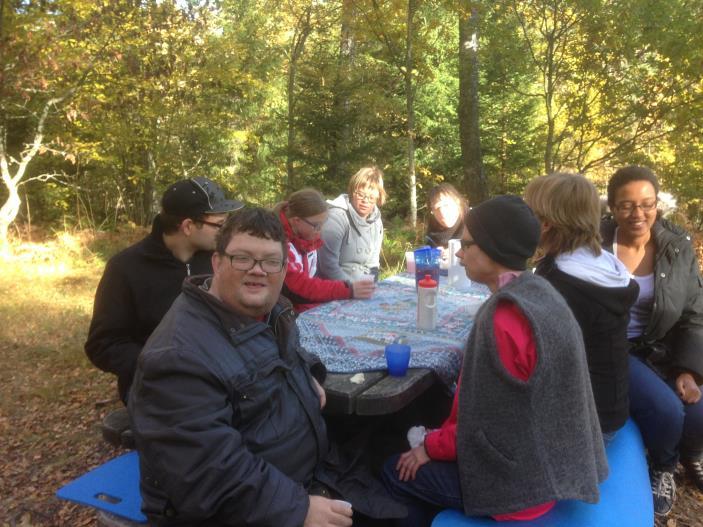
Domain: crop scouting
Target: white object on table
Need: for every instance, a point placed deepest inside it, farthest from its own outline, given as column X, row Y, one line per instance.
column 457, row 273
column 410, row 262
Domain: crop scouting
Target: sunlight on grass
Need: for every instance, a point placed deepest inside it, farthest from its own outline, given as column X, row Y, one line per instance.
column 46, row 302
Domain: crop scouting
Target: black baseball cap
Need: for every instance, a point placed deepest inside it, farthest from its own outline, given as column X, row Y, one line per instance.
column 190, row 198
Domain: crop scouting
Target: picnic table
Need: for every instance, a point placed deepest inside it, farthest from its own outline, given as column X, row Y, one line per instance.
column 349, row 336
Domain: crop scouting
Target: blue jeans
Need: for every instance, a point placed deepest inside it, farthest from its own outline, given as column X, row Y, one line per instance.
column 668, row 425
column 435, row 488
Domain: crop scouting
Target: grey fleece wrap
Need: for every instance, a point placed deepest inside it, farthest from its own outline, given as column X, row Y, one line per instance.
column 524, row 443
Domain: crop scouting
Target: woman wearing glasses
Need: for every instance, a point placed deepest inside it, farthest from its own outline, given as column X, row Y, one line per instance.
column 354, row 232
column 666, row 328
column 302, row 216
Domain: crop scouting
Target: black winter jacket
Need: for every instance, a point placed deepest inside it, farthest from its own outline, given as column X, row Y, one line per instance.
column 603, row 315
column 228, row 425
column 674, row 333
column 138, row 286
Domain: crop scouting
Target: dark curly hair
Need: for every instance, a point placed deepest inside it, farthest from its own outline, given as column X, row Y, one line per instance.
column 255, row 221
column 626, row 175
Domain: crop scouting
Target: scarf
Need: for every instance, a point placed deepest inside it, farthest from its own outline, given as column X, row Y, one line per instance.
column 303, row 246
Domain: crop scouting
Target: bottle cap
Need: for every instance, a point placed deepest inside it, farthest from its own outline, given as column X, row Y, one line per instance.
column 427, row 282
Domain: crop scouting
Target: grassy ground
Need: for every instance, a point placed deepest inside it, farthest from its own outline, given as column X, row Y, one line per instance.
column 52, row 399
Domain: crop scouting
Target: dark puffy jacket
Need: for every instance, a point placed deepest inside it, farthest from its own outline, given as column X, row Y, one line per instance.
column 603, row 314
column 227, row 421
column 138, row 286
column 675, row 330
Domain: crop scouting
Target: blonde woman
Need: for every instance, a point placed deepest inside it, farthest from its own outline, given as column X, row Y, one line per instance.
column 303, row 216
column 354, row 232
column 596, row 285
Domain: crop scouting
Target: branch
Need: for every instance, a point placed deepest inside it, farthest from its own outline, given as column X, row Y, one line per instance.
column 45, row 177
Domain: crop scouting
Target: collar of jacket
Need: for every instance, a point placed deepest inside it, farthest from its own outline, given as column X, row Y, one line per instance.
column 663, row 232
column 342, row 202
column 303, row 246
column 241, row 327
column 155, row 249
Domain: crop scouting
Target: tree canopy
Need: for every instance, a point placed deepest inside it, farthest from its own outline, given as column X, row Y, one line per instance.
column 105, row 103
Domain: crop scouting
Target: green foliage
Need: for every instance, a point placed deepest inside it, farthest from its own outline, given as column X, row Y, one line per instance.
column 398, row 238
column 171, row 89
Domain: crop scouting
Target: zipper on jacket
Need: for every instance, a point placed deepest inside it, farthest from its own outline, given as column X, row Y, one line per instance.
column 187, row 269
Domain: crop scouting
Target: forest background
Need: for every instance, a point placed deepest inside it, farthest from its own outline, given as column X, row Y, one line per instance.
column 104, row 103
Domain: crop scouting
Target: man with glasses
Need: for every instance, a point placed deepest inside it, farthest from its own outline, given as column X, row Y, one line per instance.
column 140, row 283
column 226, row 405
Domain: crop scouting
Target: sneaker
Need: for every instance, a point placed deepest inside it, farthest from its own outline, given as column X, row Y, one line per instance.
column 663, row 491
column 694, row 470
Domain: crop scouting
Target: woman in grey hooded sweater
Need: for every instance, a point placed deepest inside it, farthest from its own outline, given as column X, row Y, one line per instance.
column 353, row 232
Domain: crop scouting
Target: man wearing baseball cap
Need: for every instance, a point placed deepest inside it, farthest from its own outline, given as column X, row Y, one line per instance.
column 523, row 431
column 141, row 282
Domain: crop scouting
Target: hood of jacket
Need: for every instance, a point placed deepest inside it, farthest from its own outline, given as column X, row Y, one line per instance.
column 663, row 231
column 615, row 299
column 342, row 202
column 604, row 270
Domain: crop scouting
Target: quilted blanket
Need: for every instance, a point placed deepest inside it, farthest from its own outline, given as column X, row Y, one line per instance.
column 350, row 335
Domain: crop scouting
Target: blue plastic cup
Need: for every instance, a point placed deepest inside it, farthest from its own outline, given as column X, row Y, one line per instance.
column 397, row 358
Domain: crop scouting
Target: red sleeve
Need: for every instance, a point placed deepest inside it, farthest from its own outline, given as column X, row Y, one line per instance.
column 440, row 444
column 516, row 349
column 514, row 340
column 311, row 288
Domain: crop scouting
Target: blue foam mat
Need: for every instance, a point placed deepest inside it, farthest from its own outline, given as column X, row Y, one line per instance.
column 112, row 487
column 625, row 497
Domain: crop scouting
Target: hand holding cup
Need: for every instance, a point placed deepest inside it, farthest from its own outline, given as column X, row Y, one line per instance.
column 363, row 287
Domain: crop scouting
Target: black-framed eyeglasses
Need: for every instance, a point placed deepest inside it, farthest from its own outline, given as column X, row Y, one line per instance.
column 317, row 227
column 465, row 244
column 244, row 262
column 630, row 206
column 210, row 223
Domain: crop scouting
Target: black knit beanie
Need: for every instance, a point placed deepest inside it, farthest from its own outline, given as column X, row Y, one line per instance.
column 506, row 229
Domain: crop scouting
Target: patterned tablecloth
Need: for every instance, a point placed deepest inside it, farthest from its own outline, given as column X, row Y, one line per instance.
column 350, row 335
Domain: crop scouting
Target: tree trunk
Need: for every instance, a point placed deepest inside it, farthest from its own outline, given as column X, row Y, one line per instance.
column 148, row 190
column 410, row 105
column 549, row 108
column 300, row 35
column 290, row 144
column 9, row 211
column 469, row 131
column 11, row 207
column 337, row 168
